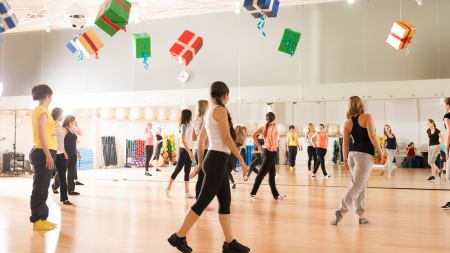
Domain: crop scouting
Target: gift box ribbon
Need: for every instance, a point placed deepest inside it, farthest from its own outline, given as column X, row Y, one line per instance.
column 408, row 38
column 91, row 44
column 145, row 61
column 7, row 14
column 108, row 21
column 187, row 47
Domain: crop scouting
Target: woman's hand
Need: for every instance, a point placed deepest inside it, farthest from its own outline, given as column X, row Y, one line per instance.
column 66, row 156
column 346, row 165
column 195, row 172
column 244, row 167
column 191, row 156
column 381, row 156
column 436, row 148
column 49, row 163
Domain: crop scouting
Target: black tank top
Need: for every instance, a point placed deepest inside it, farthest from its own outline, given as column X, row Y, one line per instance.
column 70, row 143
column 391, row 143
column 361, row 141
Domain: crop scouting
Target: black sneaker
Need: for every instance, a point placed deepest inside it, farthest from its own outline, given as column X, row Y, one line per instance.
column 431, row 179
column 234, row 247
column 446, row 206
column 234, row 186
column 158, row 170
column 78, row 183
column 67, row 203
column 148, row 174
column 180, row 243
column 74, row 193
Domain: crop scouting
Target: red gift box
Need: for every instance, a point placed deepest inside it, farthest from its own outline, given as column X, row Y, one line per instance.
column 187, row 46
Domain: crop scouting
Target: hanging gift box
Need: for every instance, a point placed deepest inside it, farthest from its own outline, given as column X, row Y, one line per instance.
column 267, row 7
column 289, row 41
column 142, row 47
column 8, row 19
column 401, row 35
column 72, row 45
column 89, row 43
column 187, row 46
column 113, row 15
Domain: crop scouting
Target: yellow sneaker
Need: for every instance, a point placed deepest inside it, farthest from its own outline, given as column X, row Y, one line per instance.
column 42, row 225
column 50, row 223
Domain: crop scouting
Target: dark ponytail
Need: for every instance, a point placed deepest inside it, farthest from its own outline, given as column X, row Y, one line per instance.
column 217, row 91
column 270, row 117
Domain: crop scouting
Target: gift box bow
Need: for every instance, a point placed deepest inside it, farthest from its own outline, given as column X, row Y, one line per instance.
column 407, row 38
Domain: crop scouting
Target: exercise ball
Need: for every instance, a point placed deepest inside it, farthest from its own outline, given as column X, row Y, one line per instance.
column 281, row 129
column 135, row 113
column 333, row 130
column 163, row 114
column 149, row 114
column 174, row 115
column 106, row 113
column 121, row 113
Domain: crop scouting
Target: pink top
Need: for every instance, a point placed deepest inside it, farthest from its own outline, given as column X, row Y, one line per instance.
column 148, row 138
column 271, row 139
column 322, row 140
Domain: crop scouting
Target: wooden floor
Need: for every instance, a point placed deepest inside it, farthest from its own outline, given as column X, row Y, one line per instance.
column 121, row 210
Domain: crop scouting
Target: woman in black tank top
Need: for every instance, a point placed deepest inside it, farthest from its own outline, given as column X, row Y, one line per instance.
column 70, row 145
column 358, row 157
column 447, row 142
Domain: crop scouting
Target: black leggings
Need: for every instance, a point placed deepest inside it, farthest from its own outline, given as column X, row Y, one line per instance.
column 183, row 160
column 41, row 182
column 312, row 156
column 157, row 153
column 215, row 183
column 71, row 172
column 61, row 177
column 200, row 176
column 321, row 152
column 292, row 155
column 268, row 166
column 148, row 155
column 256, row 160
column 231, row 166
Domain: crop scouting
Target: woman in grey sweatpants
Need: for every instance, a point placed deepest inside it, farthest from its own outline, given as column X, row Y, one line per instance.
column 447, row 142
column 358, row 158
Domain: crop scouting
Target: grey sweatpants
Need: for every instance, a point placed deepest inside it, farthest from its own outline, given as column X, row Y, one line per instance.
column 390, row 160
column 361, row 165
column 433, row 152
column 447, row 165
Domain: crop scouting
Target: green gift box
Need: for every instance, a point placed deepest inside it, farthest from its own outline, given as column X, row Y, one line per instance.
column 142, row 45
column 289, row 41
column 113, row 15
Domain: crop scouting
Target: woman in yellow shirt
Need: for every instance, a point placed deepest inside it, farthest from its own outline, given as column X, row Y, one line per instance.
column 42, row 157
column 292, row 140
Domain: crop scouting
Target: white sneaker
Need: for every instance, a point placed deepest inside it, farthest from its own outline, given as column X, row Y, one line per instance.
column 189, row 196
column 313, row 175
column 253, row 197
column 167, row 193
column 281, row 197
column 328, row 176
column 276, row 175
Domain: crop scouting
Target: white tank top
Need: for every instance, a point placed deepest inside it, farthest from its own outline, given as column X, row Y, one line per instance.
column 216, row 142
column 60, row 134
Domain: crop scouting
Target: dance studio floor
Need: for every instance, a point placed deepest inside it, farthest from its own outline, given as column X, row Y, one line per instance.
column 121, row 210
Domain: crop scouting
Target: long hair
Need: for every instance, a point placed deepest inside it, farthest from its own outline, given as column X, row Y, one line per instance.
column 270, row 117
column 311, row 128
column 390, row 129
column 355, row 106
column 67, row 120
column 202, row 106
column 240, row 136
column 56, row 113
column 432, row 122
column 447, row 101
column 217, row 91
column 186, row 117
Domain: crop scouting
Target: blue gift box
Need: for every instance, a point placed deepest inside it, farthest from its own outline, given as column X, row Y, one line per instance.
column 268, row 7
column 72, row 46
column 8, row 19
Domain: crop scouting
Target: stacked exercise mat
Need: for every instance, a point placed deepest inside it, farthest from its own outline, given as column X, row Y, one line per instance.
column 86, row 161
column 135, row 153
column 109, row 150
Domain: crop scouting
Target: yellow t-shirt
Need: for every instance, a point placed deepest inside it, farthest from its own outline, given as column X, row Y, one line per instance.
column 292, row 139
column 50, row 128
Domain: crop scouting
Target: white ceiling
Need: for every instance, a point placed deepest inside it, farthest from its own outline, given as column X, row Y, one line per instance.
column 40, row 14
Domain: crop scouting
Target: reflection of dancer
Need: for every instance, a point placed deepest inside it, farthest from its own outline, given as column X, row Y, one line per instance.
column 76, row 129
column 391, row 147
column 61, row 157
column 270, row 133
column 321, row 146
column 218, row 128
column 312, row 156
column 293, row 146
column 447, row 143
column 256, row 157
column 202, row 106
column 43, row 156
column 70, row 145
column 359, row 161
column 435, row 137
column 185, row 157
column 148, row 146
column 159, row 144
